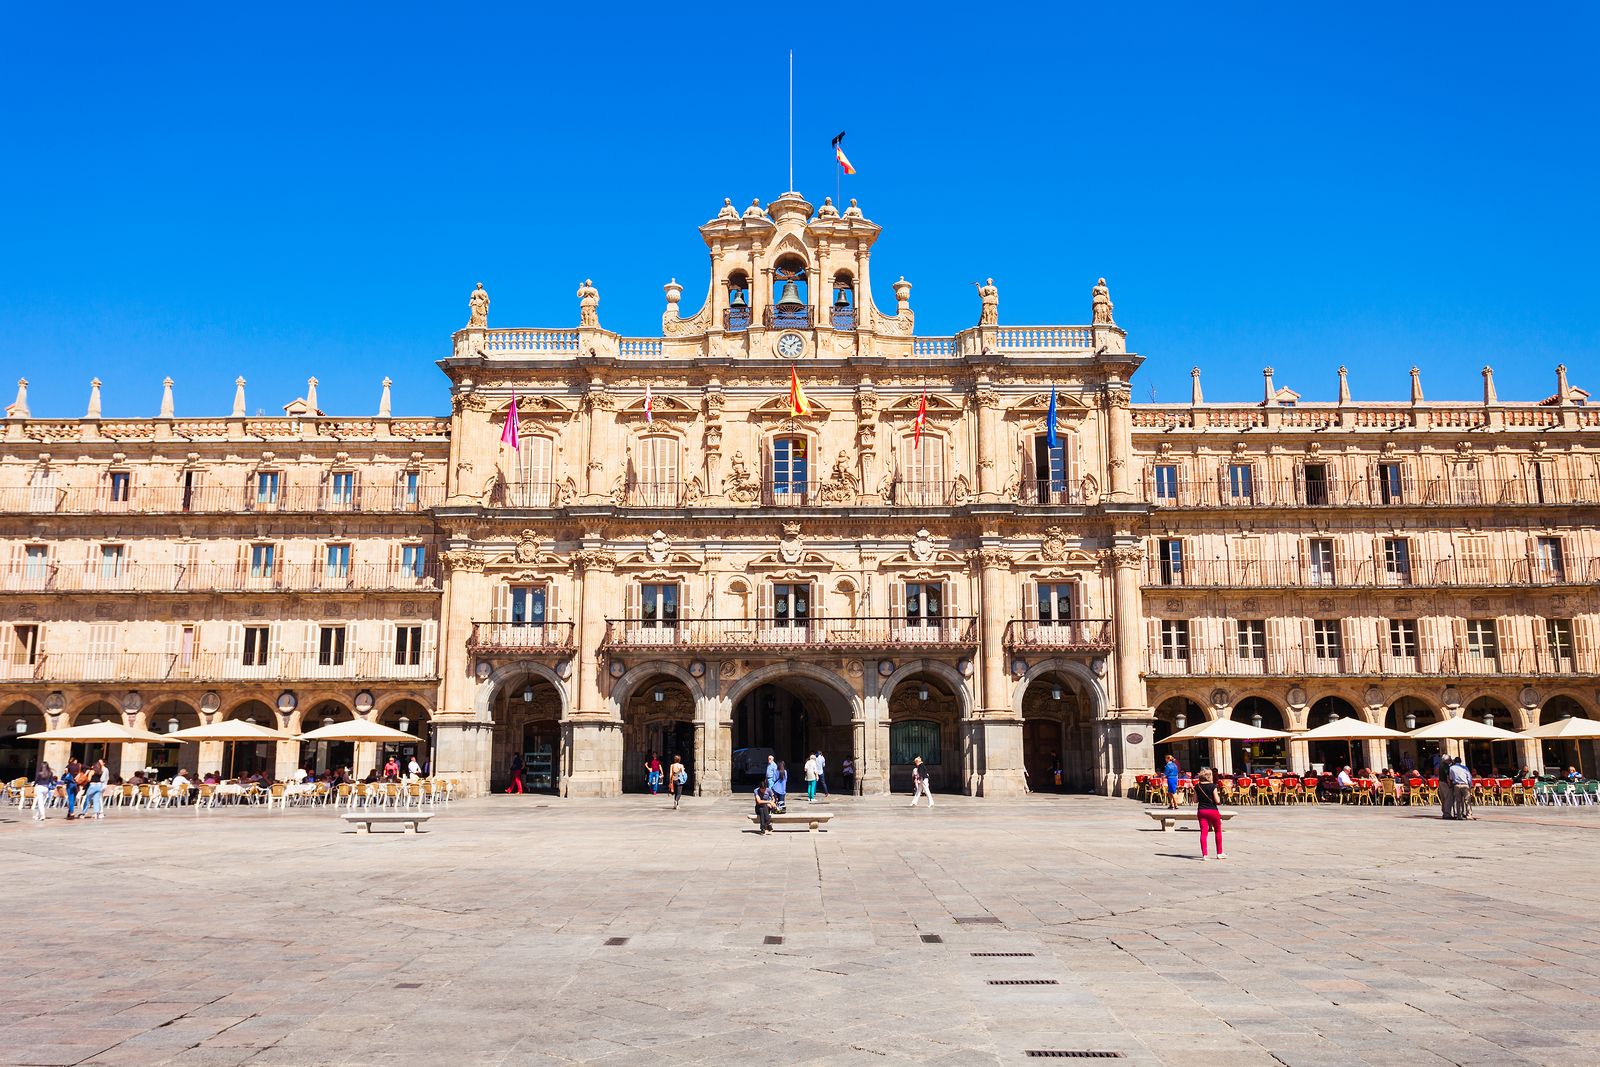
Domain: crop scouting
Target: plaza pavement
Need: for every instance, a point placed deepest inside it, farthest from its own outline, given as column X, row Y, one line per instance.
column 1329, row 937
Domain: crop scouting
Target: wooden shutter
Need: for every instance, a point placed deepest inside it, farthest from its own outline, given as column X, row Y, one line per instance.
column 765, row 611
column 1583, row 644
column 1030, row 600
column 1505, row 635
column 631, row 607
column 552, row 601
column 501, row 605
column 235, row 653
column 1157, row 652
column 1030, row 473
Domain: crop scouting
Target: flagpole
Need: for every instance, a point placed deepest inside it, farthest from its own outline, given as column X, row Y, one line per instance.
column 791, row 120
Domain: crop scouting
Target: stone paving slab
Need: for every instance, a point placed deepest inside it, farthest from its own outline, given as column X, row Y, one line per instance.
column 1329, row 937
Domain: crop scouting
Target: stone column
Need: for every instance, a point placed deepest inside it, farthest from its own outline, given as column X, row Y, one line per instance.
column 1222, row 756
column 208, row 759
column 465, row 588
column 1119, row 439
column 596, row 737
column 701, row 777
column 858, row 752
column 990, row 440
column 1129, row 701
column 285, row 758
column 998, row 735
column 600, row 441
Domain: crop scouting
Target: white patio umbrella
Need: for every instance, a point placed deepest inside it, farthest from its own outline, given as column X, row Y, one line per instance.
column 357, row 730
column 1223, row 730
column 97, row 733
column 1350, row 730
column 1568, row 729
column 1462, row 729
column 231, row 730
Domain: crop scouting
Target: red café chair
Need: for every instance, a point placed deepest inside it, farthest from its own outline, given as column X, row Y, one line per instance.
column 1414, row 791
column 1309, row 789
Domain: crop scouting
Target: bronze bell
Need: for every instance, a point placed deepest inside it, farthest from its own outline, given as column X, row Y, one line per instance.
column 790, row 297
column 738, row 300
column 841, row 298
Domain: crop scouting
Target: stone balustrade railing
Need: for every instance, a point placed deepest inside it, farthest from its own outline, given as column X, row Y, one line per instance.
column 281, row 428
column 1381, row 416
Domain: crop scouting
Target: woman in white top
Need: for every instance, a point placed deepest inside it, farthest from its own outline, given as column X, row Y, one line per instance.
column 811, row 778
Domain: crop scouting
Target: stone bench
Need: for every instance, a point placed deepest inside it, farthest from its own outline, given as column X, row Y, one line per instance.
column 1168, row 817
column 811, row 820
column 410, row 821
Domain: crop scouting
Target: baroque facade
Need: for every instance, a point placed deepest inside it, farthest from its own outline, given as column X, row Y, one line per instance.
column 671, row 560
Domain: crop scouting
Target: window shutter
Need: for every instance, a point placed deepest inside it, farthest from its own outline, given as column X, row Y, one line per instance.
column 1157, row 653
column 235, row 643
column 764, row 609
column 1354, row 655
column 1505, row 635
column 430, row 643
column 1030, row 601
column 897, row 601
column 309, row 645
column 1030, row 473
column 7, row 638
column 501, row 609
column 552, row 601
column 1069, row 462
column 631, row 610
column 1583, row 643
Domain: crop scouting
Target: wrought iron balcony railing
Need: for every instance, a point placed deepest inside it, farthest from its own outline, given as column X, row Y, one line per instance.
column 1063, row 635
column 132, row 667
column 1333, row 491
column 176, row 500
column 778, row 318
column 948, row 633
column 1425, row 661
column 1342, row 573
column 217, row 578
column 519, row 638
column 736, row 320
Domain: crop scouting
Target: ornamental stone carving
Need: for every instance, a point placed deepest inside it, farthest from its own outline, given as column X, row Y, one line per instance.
column 595, row 559
column 986, row 397
column 478, row 307
column 989, row 311
column 1127, row 556
column 658, row 548
column 995, row 557
column 922, row 546
column 841, row 486
column 790, row 546
column 738, row 485
column 1100, row 298
column 463, row 560
column 527, row 549
column 588, row 304
column 1054, row 548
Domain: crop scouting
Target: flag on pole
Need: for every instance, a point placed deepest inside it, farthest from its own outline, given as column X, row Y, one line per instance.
column 920, row 421
column 798, row 404
column 649, row 404
column 1050, row 421
column 511, row 435
column 838, row 153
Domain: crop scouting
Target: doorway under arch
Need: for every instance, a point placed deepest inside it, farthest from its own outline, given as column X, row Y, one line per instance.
column 527, row 741
column 1334, row 753
column 925, row 720
column 1057, row 736
column 99, row 711
column 244, row 758
column 168, row 717
column 321, row 757
column 18, row 758
column 1491, row 757
column 409, row 717
column 1559, row 754
column 789, row 718
column 1405, row 754
column 1253, row 756
column 657, row 717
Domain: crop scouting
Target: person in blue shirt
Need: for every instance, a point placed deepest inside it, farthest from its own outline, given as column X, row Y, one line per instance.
column 765, row 805
column 772, row 772
column 1172, row 782
column 780, row 786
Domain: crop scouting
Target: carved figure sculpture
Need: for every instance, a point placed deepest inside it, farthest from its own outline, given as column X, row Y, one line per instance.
column 1102, row 304
column 841, row 486
column 478, row 303
column 737, row 485
column 588, row 304
column 990, row 314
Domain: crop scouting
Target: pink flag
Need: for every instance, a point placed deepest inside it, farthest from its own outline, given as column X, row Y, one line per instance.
column 509, row 435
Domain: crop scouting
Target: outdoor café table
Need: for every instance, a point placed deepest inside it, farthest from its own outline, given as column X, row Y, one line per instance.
column 231, row 793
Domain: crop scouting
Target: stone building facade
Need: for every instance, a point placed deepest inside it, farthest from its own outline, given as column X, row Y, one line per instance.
column 672, row 560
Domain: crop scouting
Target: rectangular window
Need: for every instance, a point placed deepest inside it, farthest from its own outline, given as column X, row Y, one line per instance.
column 656, row 472
column 910, row 738
column 1472, row 554
column 25, row 644
column 791, row 604
column 1166, row 478
column 411, row 486
column 658, row 605
column 113, row 561
column 790, row 466
column 1169, row 558
column 1391, row 490
column 266, row 488
column 1241, row 483
column 338, row 562
column 1252, row 639
column 121, row 483
column 924, row 484
column 1050, row 469
column 1541, row 483
column 413, row 560
column 1316, row 484
column 1319, row 561
column 1055, row 602
column 1325, row 640
column 924, row 603
column 407, row 645
column 188, row 490
column 186, row 638
column 528, row 605
column 1175, row 640
column 342, row 489
column 330, row 646
column 1483, row 643
column 1558, row 636
column 1549, row 562
column 1396, row 561
column 36, row 562
column 263, row 559
column 1403, row 639
column 255, row 646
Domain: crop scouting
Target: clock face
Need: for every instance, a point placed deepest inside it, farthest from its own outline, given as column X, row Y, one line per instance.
column 791, row 345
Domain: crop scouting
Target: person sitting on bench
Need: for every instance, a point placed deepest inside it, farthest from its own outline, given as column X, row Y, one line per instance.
column 766, row 804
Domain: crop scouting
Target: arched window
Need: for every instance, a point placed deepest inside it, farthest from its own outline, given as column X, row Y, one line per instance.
column 790, row 470
column 655, row 472
column 791, row 303
column 922, row 482
column 842, row 316
column 737, row 317
column 1052, row 473
column 533, row 482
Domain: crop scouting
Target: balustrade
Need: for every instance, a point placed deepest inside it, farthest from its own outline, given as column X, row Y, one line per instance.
column 1427, row 661
column 134, row 667
column 1061, row 635
column 130, row 577
column 515, row 638
column 1221, row 492
column 1344, row 573
column 949, row 633
column 171, row 499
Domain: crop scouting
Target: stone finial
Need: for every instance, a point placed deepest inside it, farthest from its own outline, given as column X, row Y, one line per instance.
column 383, row 401
column 238, row 397
column 1563, row 390
column 674, row 293
column 588, row 304
column 19, row 409
column 311, row 396
column 1195, row 396
column 94, row 400
column 1100, row 301
column 1271, row 395
column 1416, row 386
column 902, row 293
column 166, row 399
column 1344, row 385
column 1489, row 396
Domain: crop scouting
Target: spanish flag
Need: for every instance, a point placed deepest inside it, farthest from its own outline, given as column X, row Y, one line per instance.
column 798, row 404
column 838, row 153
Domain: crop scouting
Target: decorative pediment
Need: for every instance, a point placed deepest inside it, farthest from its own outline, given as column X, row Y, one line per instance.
column 811, row 561
column 540, row 558
column 1037, row 405
column 664, row 406
column 907, row 406
column 1073, row 557
column 937, row 558
column 533, row 406
column 778, row 408
column 676, row 560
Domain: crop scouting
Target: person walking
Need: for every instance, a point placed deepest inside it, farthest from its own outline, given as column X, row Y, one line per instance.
column 772, row 771
column 1461, row 789
column 44, row 784
column 74, row 770
column 1208, row 813
column 94, row 796
column 1447, row 791
column 766, row 804
column 413, row 768
column 822, row 773
column 847, row 767
column 779, row 788
column 679, row 775
column 811, row 779
column 1171, row 773
column 652, row 773
column 919, row 782
column 516, row 775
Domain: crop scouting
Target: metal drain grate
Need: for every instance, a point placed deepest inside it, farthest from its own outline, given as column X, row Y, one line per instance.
column 932, row 939
column 1007, row 954
column 972, row 920
column 1070, row 1054
column 408, row 985
column 772, row 939
column 1022, row 981
column 616, row 941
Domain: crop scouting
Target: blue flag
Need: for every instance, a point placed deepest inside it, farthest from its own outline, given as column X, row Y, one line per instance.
column 1050, row 421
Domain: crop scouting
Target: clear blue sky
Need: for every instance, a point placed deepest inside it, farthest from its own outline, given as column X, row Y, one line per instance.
column 205, row 191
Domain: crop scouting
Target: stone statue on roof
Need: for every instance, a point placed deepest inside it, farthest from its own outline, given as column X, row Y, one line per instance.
column 478, row 302
column 1102, row 304
column 588, row 304
column 990, row 314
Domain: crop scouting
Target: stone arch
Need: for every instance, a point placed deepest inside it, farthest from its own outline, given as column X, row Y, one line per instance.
column 1263, row 754
column 959, row 685
column 1556, row 754
column 18, row 759
column 1190, row 755
column 1091, row 684
column 389, row 700
column 483, row 697
column 1349, row 695
column 623, row 688
column 778, row 671
column 98, row 703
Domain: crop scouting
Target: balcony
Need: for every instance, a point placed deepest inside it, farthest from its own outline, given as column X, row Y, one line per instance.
column 1040, row 492
column 176, row 500
column 777, row 318
column 124, row 668
column 736, row 320
column 1334, row 492
column 842, row 318
column 1427, row 661
column 520, row 638
column 1066, row 635
column 1370, row 574
column 216, row 578
column 947, row 634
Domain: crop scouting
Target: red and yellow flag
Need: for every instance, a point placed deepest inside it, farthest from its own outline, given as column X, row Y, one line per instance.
column 838, row 153
column 921, row 420
column 798, row 404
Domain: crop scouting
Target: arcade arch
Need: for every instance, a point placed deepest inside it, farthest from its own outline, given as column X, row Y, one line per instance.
column 527, row 754
column 18, row 758
column 1251, row 756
